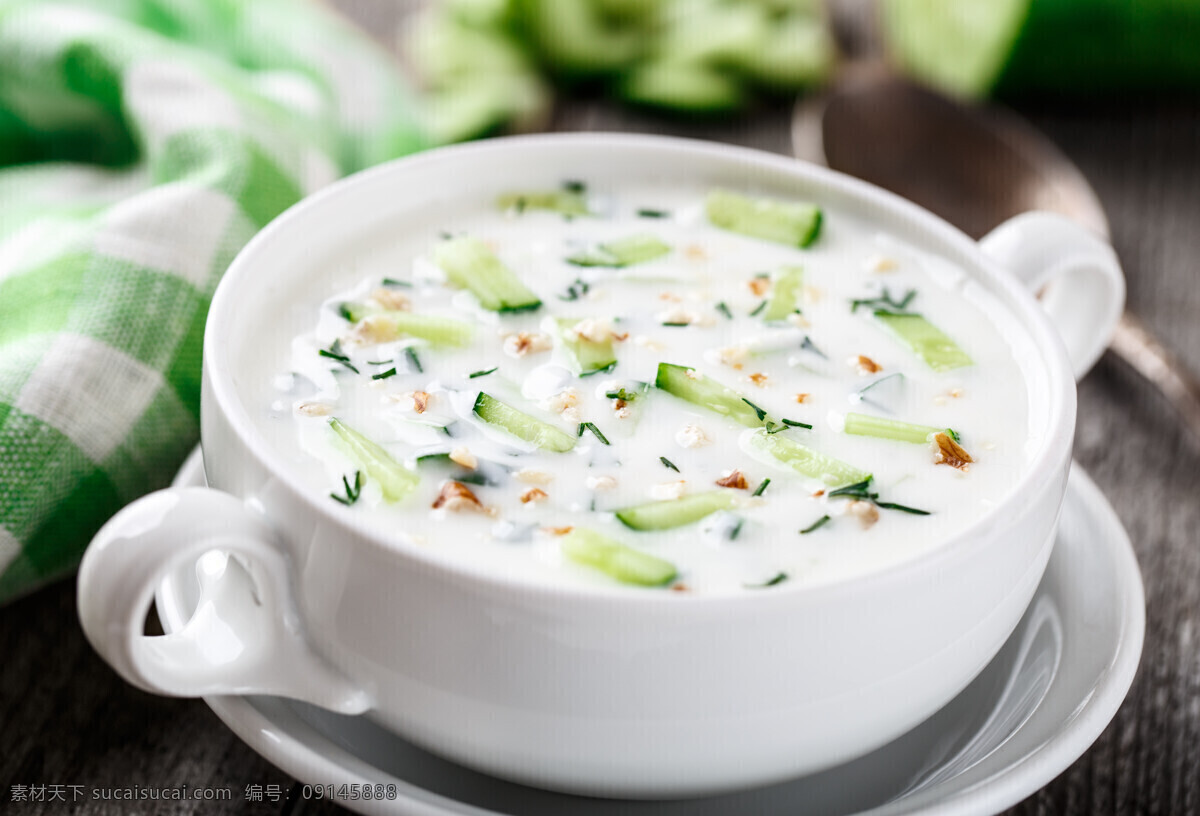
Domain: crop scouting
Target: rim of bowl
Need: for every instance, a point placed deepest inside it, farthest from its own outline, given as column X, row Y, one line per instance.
column 1020, row 301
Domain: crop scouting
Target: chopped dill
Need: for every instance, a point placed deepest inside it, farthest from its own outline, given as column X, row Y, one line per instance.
column 761, row 487
column 413, row 359
column 475, row 374
column 758, row 411
column 591, row 426
column 352, row 493
column 334, row 352
column 723, row 308
column 885, row 303
column 668, row 463
column 822, row 521
column 758, row 309
column 778, row 579
column 391, row 372
column 645, row 213
column 400, row 283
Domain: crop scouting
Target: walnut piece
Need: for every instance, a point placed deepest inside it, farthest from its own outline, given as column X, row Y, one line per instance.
column 948, row 452
column 801, row 398
column 866, row 365
column 391, row 299
column 456, row 496
column 735, row 479
column 759, row 379
column 866, row 512
column 533, row 494
column 464, row 457
column 525, row 343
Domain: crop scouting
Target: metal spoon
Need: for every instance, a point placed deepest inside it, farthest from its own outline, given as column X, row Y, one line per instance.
column 975, row 166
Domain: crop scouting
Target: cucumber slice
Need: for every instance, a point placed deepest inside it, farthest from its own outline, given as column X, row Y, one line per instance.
column 787, row 292
column 469, row 263
column 522, row 425
column 925, row 340
column 565, row 202
column 806, row 461
column 438, row 331
column 799, row 51
column 685, row 383
column 623, row 252
column 671, row 513
column 586, row 356
column 884, row 428
column 627, row 565
column 682, row 86
column 572, row 36
column 793, row 223
column 395, row 480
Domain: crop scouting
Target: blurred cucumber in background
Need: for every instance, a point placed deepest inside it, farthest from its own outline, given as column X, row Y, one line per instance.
column 974, row 48
column 487, row 64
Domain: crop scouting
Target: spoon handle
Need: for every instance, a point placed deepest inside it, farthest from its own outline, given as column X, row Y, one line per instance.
column 1133, row 343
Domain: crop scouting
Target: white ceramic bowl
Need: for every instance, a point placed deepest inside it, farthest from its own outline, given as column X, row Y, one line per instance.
column 607, row 693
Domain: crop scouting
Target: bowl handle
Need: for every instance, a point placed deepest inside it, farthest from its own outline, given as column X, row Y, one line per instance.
column 245, row 636
column 1075, row 274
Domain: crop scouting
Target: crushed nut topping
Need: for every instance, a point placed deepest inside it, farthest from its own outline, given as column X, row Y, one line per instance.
column 691, row 436
column 818, row 493
column 416, row 401
column 801, row 398
column 735, row 479
column 456, row 496
column 759, row 286
column 880, row 263
column 865, row 365
column 694, row 252
column 948, row 452
column 565, row 403
column 391, row 299
column 533, row 494
column 372, row 329
column 593, row 330
column 601, row 482
column 558, row 531
column 668, row 490
column 866, row 512
column 314, row 409
column 524, row 343
column 680, row 588
column 464, row 457
column 733, row 356
column 759, row 379
column 533, row 477
column 670, row 297
column 648, row 343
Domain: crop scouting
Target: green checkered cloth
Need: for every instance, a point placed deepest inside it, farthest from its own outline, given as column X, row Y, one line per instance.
column 142, row 144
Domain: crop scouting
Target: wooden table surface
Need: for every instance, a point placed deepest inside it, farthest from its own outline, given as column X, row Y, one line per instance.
column 68, row 720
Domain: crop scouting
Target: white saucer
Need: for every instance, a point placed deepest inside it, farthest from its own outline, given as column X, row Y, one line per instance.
column 1032, row 712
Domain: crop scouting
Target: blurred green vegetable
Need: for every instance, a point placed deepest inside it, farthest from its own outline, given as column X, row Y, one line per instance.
column 976, row 47
column 490, row 63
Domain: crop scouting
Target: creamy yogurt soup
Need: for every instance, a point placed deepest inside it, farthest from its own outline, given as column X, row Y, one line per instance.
column 686, row 390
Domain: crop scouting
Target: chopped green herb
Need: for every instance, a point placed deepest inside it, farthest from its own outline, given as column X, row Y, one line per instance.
column 352, row 493
column 590, row 426
column 954, row 434
column 758, row 309
column 346, row 312
column 822, row 521
column 475, row 374
column 761, row 487
column 677, row 324
column 724, row 309
column 391, row 372
column 809, row 345
column 778, row 579
column 885, row 302
column 378, row 362
column 604, row 370
column 759, row 411
column 736, row 530
column 859, row 490
column 400, row 283
column 796, row 424
column 574, row 186
column 413, row 359
column 668, row 463
column 621, row 394
column 644, row 213
column 334, row 352
column 577, row 289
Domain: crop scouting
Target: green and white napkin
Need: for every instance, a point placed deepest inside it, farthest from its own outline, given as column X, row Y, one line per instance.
column 142, row 144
